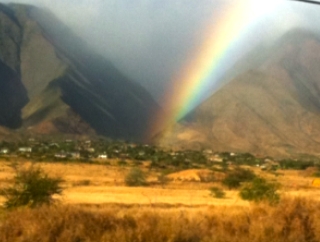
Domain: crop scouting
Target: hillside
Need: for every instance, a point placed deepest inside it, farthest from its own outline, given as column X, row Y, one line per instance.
column 273, row 109
column 52, row 82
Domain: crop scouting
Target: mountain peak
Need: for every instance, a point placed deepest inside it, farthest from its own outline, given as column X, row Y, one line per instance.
column 273, row 109
column 52, row 80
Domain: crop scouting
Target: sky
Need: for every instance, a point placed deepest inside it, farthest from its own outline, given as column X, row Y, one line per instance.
column 152, row 40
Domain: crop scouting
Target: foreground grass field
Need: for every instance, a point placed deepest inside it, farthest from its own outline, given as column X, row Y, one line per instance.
column 291, row 220
column 96, row 205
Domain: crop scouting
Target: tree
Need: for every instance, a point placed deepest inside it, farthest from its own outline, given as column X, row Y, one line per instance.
column 236, row 177
column 163, row 179
column 217, row 192
column 32, row 187
column 260, row 190
column 136, row 177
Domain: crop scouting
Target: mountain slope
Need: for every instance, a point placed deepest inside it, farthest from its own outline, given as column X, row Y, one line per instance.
column 272, row 110
column 63, row 82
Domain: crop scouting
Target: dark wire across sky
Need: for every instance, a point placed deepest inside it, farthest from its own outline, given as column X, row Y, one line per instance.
column 307, row 1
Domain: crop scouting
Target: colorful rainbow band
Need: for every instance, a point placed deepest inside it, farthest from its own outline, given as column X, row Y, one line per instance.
column 200, row 75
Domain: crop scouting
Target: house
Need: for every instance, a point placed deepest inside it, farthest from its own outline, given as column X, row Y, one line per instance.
column 87, row 144
column 25, row 149
column 141, row 153
column 61, row 155
column 54, row 145
column 215, row 158
column 90, row 150
column 207, row 152
column 4, row 151
column 103, row 156
column 31, row 140
column 74, row 155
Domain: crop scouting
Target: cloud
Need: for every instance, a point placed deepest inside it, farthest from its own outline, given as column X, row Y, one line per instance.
column 150, row 40
column 147, row 39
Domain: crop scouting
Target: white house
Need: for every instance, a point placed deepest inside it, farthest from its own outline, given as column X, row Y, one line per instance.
column 75, row 155
column 103, row 156
column 207, row 152
column 25, row 149
column 61, row 155
column 4, row 151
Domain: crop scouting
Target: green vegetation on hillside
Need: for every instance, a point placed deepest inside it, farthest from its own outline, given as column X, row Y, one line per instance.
column 160, row 158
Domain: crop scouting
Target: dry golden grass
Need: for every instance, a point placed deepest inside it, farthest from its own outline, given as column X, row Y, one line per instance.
column 147, row 195
column 97, row 206
column 98, row 184
column 102, row 184
column 291, row 220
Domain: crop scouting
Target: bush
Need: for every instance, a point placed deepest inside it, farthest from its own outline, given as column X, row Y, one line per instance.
column 260, row 190
column 236, row 177
column 316, row 174
column 122, row 162
column 32, row 187
column 136, row 177
column 295, row 164
column 163, row 179
column 217, row 192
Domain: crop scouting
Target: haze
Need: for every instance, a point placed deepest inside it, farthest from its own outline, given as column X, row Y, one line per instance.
column 151, row 40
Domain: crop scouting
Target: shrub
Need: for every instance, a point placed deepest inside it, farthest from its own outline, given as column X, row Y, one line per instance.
column 136, row 177
column 32, row 187
column 295, row 164
column 163, row 179
column 316, row 174
column 122, row 162
column 260, row 190
column 137, row 163
column 217, row 192
column 236, row 177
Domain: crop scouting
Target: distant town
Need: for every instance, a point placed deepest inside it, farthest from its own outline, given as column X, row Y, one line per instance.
column 103, row 151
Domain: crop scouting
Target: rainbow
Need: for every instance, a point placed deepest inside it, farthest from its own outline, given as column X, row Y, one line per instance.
column 211, row 60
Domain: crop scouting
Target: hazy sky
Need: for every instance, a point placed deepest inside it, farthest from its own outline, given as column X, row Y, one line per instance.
column 150, row 40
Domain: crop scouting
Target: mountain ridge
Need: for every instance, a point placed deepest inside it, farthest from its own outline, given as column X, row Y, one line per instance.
column 270, row 110
column 65, row 81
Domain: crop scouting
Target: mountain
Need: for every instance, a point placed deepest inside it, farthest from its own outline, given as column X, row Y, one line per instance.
column 53, row 83
column 272, row 109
